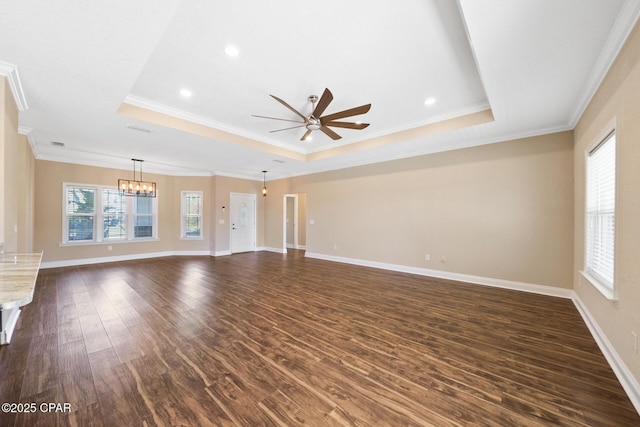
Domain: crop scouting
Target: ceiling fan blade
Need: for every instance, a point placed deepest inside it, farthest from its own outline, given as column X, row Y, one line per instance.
column 294, row 127
column 324, row 102
column 276, row 118
column 306, row 135
column 348, row 125
column 356, row 111
column 288, row 106
column 331, row 134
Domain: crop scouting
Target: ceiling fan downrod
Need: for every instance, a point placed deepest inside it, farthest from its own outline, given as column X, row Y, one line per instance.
column 312, row 122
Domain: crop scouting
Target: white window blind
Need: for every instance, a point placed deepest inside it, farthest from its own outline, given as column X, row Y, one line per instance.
column 79, row 219
column 100, row 214
column 191, row 214
column 601, row 207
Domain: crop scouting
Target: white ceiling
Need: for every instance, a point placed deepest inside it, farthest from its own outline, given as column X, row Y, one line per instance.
column 84, row 73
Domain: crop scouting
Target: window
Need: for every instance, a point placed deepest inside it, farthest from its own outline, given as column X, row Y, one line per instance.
column 95, row 214
column 191, row 214
column 80, row 213
column 143, row 217
column 600, row 215
column 114, row 209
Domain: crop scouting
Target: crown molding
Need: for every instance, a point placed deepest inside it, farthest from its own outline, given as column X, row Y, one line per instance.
column 27, row 131
column 10, row 71
column 194, row 118
column 455, row 114
column 625, row 22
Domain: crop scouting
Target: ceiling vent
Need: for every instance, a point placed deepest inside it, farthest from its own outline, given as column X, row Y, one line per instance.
column 138, row 128
column 57, row 143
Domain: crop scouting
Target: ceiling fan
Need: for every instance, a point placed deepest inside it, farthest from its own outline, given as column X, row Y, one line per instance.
column 316, row 120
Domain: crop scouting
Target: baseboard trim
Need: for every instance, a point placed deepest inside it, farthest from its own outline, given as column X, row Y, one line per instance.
column 131, row 257
column 271, row 249
column 629, row 383
column 290, row 246
column 477, row 280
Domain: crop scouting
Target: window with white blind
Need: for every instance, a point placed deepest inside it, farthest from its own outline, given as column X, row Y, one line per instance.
column 191, row 227
column 80, row 213
column 114, row 208
column 600, row 215
column 100, row 214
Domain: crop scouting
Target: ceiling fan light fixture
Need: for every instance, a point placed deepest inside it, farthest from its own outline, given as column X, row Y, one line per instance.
column 313, row 124
column 317, row 121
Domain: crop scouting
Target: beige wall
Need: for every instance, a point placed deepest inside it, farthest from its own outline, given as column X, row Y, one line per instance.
column 16, row 178
column 501, row 211
column 24, row 170
column 5, row 117
column 616, row 99
column 49, row 179
column 302, row 219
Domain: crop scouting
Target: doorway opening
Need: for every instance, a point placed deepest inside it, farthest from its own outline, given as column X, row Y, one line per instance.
column 294, row 225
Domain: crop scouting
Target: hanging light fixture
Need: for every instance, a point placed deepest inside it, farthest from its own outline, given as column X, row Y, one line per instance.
column 134, row 187
column 264, row 183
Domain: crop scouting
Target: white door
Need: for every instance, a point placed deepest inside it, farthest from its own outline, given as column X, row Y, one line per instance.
column 243, row 222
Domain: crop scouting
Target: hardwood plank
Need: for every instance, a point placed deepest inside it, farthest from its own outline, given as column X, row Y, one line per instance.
column 265, row 339
column 43, row 354
column 123, row 342
column 118, row 390
column 39, row 417
column 75, row 380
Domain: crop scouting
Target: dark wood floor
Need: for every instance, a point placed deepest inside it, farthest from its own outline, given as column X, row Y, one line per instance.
column 265, row 339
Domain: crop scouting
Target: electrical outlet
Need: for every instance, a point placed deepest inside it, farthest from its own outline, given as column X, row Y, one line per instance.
column 634, row 342
column 443, row 259
column 109, row 248
column 427, row 257
column 335, row 247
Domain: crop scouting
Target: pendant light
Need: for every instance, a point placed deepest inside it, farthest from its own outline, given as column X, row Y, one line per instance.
column 264, row 183
column 135, row 187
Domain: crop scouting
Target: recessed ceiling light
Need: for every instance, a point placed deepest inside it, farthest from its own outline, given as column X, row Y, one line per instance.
column 185, row 92
column 430, row 101
column 232, row 51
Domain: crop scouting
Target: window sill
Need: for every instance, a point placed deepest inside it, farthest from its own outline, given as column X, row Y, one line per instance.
column 604, row 290
column 191, row 238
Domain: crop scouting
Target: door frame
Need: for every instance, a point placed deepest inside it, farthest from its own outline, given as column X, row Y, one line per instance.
column 295, row 221
column 255, row 218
